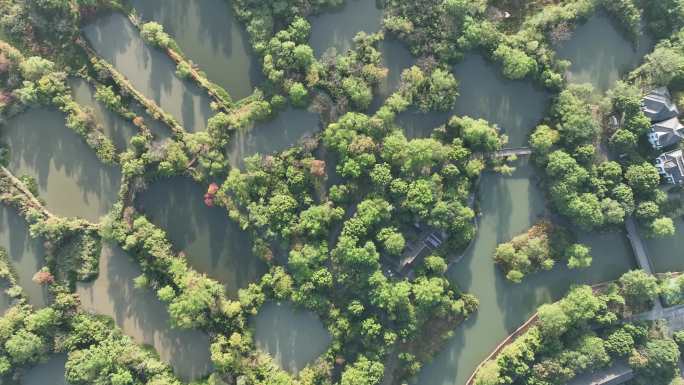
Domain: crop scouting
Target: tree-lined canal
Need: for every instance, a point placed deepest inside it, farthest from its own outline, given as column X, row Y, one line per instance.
column 150, row 70
column 25, row 255
column 74, row 183
column 209, row 34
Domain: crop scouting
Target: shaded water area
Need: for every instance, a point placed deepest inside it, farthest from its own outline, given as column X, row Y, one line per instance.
column 25, row 254
column 119, row 130
column 142, row 316
column 210, row 35
column 293, row 337
column 509, row 206
column 51, row 372
column 116, row 128
column 601, row 52
column 213, row 243
column 666, row 254
column 396, row 57
column 336, row 27
column 71, row 179
column 283, row 131
column 149, row 69
column 5, row 301
column 516, row 106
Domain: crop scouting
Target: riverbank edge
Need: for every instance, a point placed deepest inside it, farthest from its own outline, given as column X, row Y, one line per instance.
column 532, row 321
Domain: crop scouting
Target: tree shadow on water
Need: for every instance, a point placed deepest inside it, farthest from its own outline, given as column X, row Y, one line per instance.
column 141, row 315
column 70, row 177
column 212, row 242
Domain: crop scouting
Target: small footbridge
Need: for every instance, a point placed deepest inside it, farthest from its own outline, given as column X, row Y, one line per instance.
column 518, row 151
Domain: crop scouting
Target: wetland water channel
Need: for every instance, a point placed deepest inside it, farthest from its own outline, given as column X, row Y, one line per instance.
column 216, row 246
column 69, row 176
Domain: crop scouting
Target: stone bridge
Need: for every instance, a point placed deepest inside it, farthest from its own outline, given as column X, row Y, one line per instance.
column 519, row 151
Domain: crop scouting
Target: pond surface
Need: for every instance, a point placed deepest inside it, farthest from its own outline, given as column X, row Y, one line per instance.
column 278, row 134
column 212, row 242
column 336, row 27
column 115, row 127
column 25, row 254
column 516, row 106
column 210, row 35
column 51, row 372
column 396, row 58
column 142, row 316
column 666, row 254
column 293, row 337
column 71, row 179
column 149, row 69
column 601, row 53
column 510, row 205
column 5, row 301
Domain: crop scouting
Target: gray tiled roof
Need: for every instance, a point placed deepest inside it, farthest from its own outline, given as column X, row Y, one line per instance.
column 668, row 132
column 658, row 105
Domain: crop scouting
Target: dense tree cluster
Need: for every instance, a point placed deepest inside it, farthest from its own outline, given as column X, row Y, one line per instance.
column 582, row 333
column 590, row 192
column 390, row 184
column 672, row 289
column 641, row 176
column 539, row 249
column 335, row 225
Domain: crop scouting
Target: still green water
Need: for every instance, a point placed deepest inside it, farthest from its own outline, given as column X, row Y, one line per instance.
column 212, row 242
column 149, row 69
column 336, row 27
column 600, row 52
column 283, row 131
column 71, row 179
column 666, row 254
column 509, row 206
column 48, row 373
column 209, row 34
column 25, row 254
column 292, row 336
column 516, row 106
column 116, row 128
column 142, row 316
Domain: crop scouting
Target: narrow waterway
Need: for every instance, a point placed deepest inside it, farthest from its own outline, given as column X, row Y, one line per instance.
column 516, row 106
column 51, row 372
column 71, row 179
column 285, row 130
column 115, row 127
column 336, row 27
column 5, row 300
column 601, row 53
column 212, row 242
column 293, row 337
column 149, row 69
column 210, row 35
column 142, row 316
column 509, row 206
column 396, row 58
column 666, row 254
column 25, row 254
